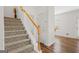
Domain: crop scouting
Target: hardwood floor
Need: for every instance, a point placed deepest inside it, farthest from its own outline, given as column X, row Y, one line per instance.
column 46, row 49
column 62, row 45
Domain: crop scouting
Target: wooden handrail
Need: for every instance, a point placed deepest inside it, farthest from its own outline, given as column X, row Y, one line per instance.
column 36, row 25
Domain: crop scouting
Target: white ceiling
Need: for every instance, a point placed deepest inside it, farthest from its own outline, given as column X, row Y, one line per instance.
column 62, row 9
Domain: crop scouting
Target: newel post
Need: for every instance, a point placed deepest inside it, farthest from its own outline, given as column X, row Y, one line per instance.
column 39, row 47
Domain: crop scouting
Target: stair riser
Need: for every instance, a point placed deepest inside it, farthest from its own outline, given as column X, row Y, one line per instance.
column 9, row 48
column 13, row 24
column 29, row 50
column 12, row 20
column 14, row 39
column 14, row 33
column 14, row 28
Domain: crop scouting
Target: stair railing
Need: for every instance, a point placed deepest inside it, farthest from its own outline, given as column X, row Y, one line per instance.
column 37, row 26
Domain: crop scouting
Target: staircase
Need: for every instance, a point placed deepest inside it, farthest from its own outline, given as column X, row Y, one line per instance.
column 16, row 38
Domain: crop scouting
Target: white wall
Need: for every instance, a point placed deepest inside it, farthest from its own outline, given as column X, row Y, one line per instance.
column 45, row 18
column 67, row 23
column 8, row 11
column 46, row 21
column 51, row 23
column 42, row 18
column 62, row 9
column 1, row 28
